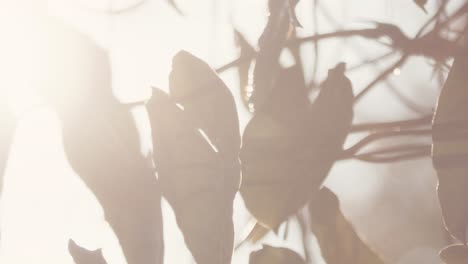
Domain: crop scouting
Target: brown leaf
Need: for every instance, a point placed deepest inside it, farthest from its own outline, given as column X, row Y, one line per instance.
column 275, row 255
column 196, row 152
column 339, row 242
column 290, row 145
column 450, row 149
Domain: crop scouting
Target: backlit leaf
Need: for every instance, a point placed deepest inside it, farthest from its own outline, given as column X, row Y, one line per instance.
column 196, row 141
column 290, row 145
column 339, row 242
column 450, row 149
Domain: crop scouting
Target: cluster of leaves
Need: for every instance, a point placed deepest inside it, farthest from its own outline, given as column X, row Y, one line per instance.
column 287, row 150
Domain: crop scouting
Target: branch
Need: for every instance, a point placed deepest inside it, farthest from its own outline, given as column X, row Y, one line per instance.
column 383, row 135
column 409, row 152
column 395, row 125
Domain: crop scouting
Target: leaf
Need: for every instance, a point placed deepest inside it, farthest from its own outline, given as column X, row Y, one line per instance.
column 207, row 102
column 450, row 148
column 196, row 141
column 271, row 43
column 100, row 139
column 421, row 4
column 454, row 254
column 83, row 256
column 339, row 242
column 275, row 255
column 290, row 145
column 247, row 52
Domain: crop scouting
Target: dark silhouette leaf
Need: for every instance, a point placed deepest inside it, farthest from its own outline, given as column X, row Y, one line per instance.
column 273, row 39
column 339, row 242
column 196, row 140
column 290, row 145
column 454, row 254
column 274, row 255
column 101, row 140
column 83, row 256
column 450, row 149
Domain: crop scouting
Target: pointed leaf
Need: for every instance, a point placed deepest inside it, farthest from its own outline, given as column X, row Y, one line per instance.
column 289, row 145
column 339, row 242
column 196, row 141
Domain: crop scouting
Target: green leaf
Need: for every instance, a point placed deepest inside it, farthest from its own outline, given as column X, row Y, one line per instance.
column 275, row 255
column 196, row 141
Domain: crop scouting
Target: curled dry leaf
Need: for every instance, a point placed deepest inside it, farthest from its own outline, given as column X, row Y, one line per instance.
column 273, row 39
column 275, row 255
column 290, row 145
column 450, row 148
column 454, row 254
column 339, row 242
column 196, row 141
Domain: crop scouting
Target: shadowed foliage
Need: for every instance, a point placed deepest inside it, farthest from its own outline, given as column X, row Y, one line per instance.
column 287, row 150
column 196, row 140
column 336, row 236
column 289, row 147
